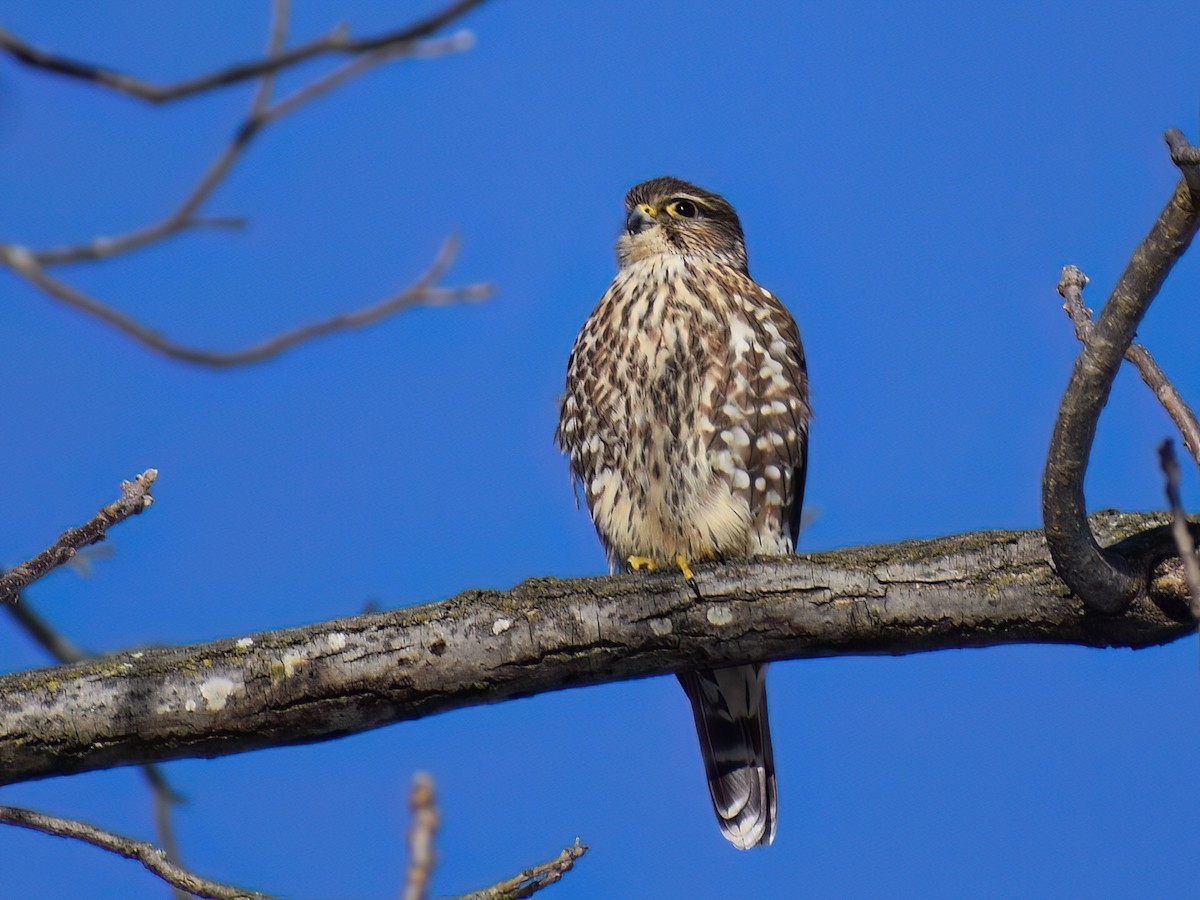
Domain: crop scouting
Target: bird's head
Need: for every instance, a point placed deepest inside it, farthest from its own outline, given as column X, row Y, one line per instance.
column 669, row 216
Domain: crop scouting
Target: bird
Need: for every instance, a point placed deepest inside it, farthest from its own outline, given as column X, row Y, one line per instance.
column 685, row 423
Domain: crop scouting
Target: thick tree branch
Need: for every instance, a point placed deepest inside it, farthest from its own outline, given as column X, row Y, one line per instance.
column 135, row 498
column 336, row 41
column 349, row 675
column 154, row 859
column 1106, row 581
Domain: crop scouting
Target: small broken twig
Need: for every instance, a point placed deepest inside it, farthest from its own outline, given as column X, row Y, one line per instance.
column 532, row 880
column 135, row 498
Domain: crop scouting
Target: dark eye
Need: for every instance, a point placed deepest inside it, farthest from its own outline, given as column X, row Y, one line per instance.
column 684, row 209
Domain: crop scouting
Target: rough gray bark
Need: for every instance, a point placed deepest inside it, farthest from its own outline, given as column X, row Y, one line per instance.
column 349, row 675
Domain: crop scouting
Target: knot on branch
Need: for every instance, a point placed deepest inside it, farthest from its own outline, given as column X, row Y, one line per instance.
column 1145, row 555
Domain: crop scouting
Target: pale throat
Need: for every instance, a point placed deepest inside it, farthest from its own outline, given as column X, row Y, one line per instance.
column 633, row 249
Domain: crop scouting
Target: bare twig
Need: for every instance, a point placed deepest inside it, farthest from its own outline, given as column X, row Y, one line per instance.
column 421, row 292
column 280, row 14
column 135, row 498
column 1071, row 286
column 428, row 49
column 532, row 880
column 336, row 41
column 421, row 834
column 1179, row 525
column 262, row 113
column 153, row 858
column 1103, row 579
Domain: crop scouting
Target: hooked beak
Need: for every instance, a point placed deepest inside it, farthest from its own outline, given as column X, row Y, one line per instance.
column 640, row 218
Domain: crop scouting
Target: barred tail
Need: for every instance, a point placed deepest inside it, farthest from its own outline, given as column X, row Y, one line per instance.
column 730, row 706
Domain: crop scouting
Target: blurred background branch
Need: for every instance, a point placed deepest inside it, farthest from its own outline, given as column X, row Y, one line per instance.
column 338, row 41
column 414, row 41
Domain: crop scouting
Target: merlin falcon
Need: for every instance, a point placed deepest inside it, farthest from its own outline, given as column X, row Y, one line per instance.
column 685, row 420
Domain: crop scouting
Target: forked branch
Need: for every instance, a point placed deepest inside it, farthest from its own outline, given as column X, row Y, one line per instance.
column 1107, row 581
column 1070, row 288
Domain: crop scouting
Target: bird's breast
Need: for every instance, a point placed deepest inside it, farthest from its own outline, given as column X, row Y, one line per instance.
column 665, row 364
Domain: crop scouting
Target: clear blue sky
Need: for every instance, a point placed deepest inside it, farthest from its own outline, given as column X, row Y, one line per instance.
column 911, row 178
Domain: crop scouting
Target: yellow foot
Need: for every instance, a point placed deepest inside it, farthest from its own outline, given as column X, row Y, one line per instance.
column 688, row 576
column 642, row 562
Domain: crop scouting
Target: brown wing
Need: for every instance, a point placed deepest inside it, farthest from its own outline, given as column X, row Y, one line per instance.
column 586, row 403
column 763, row 418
